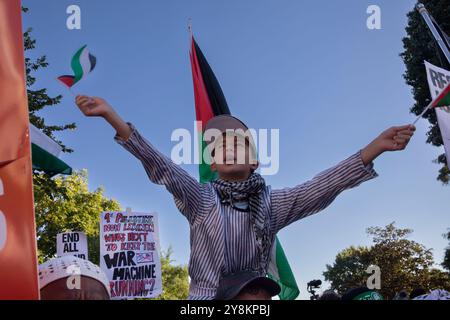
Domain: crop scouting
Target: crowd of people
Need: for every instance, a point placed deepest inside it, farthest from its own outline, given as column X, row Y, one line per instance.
column 72, row 278
column 364, row 293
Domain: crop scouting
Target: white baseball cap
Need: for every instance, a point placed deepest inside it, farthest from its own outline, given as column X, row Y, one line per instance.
column 63, row 267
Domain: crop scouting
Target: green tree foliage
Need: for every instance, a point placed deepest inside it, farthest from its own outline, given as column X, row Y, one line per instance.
column 349, row 268
column 175, row 279
column 420, row 45
column 404, row 264
column 68, row 205
column 38, row 99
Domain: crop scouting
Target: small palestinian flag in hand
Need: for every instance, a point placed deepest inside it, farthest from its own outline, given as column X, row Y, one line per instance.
column 82, row 64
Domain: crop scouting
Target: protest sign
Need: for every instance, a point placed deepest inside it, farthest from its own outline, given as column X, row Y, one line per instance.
column 72, row 244
column 438, row 79
column 130, row 254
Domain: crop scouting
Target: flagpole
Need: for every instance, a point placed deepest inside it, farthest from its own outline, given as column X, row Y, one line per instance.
column 426, row 16
column 73, row 93
column 69, row 89
column 423, row 112
column 191, row 34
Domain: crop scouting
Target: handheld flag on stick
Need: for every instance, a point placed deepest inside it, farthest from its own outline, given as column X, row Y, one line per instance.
column 82, row 64
column 442, row 100
column 210, row 102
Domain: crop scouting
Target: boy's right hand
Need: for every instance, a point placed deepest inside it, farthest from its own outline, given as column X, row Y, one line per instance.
column 98, row 107
column 93, row 106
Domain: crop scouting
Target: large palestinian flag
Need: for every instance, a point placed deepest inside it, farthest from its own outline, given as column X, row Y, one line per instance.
column 210, row 102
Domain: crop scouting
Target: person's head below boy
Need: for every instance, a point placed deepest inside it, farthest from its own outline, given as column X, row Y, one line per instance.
column 231, row 147
column 246, row 285
column 72, row 278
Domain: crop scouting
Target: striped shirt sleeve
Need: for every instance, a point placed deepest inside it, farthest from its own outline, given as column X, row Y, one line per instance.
column 291, row 204
column 187, row 192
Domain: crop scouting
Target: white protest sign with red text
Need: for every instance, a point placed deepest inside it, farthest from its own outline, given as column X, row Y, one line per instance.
column 130, row 254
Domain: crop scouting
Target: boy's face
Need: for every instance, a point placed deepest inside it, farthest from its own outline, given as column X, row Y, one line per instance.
column 233, row 158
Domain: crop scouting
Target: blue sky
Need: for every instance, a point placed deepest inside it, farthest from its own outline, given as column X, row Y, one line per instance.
column 309, row 68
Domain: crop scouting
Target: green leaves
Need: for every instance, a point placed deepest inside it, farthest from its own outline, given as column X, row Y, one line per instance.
column 404, row 264
column 64, row 204
column 174, row 279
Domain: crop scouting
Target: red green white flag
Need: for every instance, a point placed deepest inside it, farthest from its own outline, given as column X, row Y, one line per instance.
column 83, row 63
column 443, row 100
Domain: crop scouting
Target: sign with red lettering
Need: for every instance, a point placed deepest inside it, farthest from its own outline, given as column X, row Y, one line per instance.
column 130, row 254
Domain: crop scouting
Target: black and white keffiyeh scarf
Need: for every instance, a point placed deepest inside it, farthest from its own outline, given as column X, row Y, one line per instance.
column 255, row 196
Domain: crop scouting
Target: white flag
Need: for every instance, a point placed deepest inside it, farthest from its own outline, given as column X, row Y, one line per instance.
column 438, row 79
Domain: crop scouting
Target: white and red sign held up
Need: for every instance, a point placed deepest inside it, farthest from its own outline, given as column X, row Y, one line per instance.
column 130, row 254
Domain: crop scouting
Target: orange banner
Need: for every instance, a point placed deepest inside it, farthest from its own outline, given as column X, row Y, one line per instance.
column 18, row 260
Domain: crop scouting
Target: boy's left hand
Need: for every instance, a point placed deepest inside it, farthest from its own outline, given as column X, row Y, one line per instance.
column 393, row 139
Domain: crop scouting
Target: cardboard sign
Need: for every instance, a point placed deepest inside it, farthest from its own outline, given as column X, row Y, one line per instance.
column 72, row 244
column 130, row 254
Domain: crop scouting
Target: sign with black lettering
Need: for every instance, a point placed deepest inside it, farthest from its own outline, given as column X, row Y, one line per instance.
column 130, row 254
column 72, row 244
column 438, row 80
